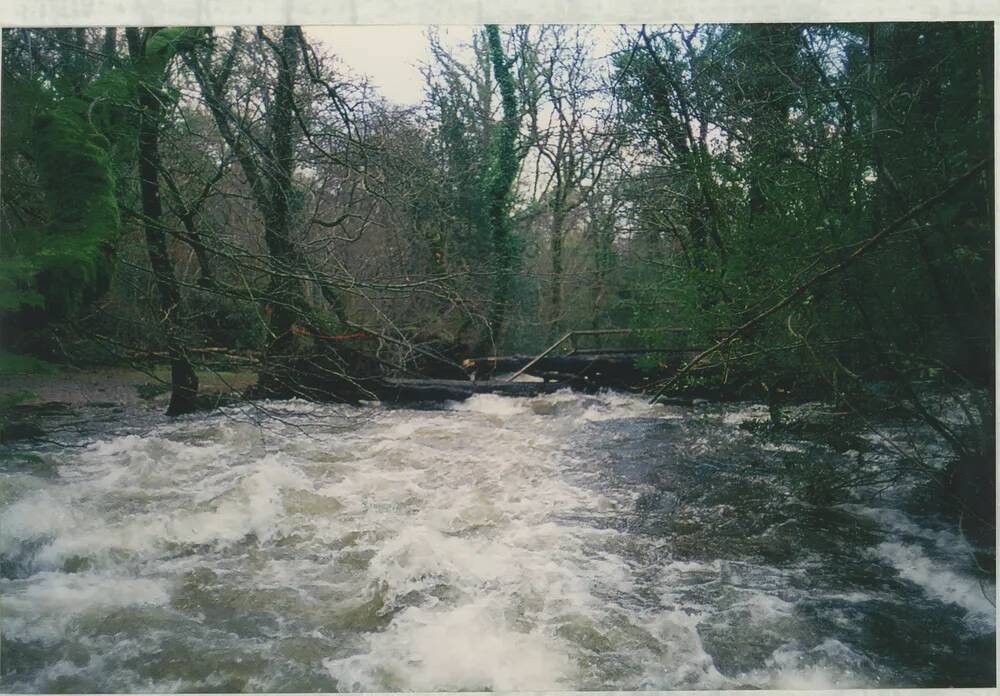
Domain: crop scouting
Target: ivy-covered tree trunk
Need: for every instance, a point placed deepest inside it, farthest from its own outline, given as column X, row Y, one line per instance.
column 296, row 363
column 184, row 381
column 601, row 233
column 556, row 250
column 503, row 171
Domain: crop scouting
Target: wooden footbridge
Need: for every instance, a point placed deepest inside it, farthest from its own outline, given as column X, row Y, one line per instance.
column 568, row 362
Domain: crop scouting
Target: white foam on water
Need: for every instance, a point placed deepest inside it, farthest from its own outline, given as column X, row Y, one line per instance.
column 241, row 502
column 765, row 607
column 41, row 609
column 459, row 526
column 34, row 517
column 950, row 541
column 467, row 648
column 829, row 665
column 746, row 607
column 753, row 413
column 464, row 549
column 483, row 521
column 781, row 447
column 15, row 486
column 943, row 584
column 492, row 405
column 940, row 576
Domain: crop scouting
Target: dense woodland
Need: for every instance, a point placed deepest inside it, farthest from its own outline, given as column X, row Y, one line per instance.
column 810, row 205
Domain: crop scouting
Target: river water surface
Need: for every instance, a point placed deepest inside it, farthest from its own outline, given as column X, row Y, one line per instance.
column 558, row 542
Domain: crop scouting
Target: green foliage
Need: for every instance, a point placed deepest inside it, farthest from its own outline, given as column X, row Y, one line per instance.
column 73, row 255
column 500, row 181
column 162, row 46
column 76, row 143
column 825, row 135
column 14, row 364
column 753, row 157
column 464, row 197
column 16, row 285
column 227, row 322
column 503, row 160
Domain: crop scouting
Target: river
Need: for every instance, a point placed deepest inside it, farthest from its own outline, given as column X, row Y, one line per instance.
column 558, row 542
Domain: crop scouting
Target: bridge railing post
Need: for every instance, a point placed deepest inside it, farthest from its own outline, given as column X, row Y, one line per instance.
column 539, row 357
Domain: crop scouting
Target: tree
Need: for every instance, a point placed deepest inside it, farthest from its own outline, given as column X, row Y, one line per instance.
column 483, row 157
column 499, row 184
column 151, row 52
column 58, row 245
column 268, row 168
column 572, row 131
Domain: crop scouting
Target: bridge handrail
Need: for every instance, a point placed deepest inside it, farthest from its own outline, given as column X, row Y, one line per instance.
column 571, row 336
column 540, row 356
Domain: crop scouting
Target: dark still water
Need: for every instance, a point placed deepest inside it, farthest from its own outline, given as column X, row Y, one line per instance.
column 557, row 542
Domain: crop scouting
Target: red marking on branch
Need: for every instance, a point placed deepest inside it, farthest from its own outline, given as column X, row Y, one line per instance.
column 296, row 329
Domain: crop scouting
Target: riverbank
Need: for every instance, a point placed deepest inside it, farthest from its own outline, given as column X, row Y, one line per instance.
column 31, row 403
column 119, row 385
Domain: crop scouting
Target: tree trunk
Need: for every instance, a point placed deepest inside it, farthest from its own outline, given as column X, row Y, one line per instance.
column 286, row 293
column 504, row 172
column 183, row 380
column 108, row 47
column 290, row 364
column 602, row 230
column 556, row 248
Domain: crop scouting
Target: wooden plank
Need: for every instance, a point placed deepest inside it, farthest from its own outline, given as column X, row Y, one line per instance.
column 633, row 351
column 543, row 354
column 437, row 390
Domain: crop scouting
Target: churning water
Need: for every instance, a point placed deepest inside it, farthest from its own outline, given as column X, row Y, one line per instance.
column 563, row 541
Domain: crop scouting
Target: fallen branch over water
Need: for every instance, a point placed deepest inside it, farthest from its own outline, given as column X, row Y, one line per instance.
column 864, row 247
column 425, row 390
column 617, row 370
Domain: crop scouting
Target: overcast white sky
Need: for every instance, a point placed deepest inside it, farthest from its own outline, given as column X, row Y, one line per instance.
column 387, row 54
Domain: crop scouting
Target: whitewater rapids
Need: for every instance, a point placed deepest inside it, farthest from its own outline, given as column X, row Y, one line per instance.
column 558, row 542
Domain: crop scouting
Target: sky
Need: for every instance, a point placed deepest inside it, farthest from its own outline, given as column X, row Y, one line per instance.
column 388, row 55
